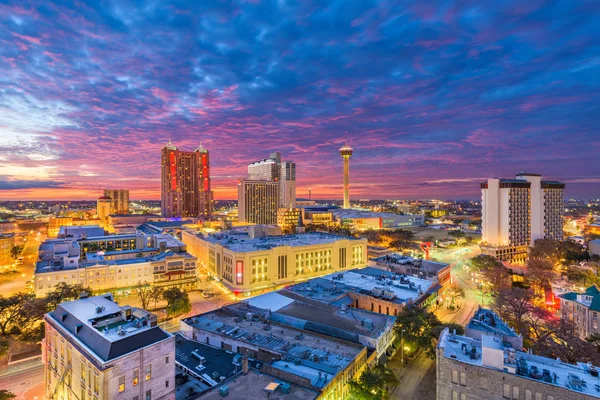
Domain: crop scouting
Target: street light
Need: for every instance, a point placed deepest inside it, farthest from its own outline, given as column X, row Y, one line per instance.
column 402, row 347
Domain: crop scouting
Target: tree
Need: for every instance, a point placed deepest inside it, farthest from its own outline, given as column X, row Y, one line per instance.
column 513, row 304
column 492, row 271
column 373, row 383
column 559, row 253
column 6, row 395
column 156, row 294
column 402, row 234
column 144, row 292
column 457, row 234
column 65, row 292
column 15, row 251
column 569, row 348
column 178, row 301
column 540, row 273
column 12, row 312
column 455, row 292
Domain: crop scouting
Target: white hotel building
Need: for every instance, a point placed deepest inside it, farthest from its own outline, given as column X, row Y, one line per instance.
column 517, row 212
column 246, row 264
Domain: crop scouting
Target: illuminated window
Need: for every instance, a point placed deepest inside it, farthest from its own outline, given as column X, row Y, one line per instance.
column 148, row 371
column 136, row 377
column 121, row 383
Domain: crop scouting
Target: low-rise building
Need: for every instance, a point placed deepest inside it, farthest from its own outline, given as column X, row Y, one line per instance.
column 95, row 349
column 7, row 242
column 365, row 220
column 314, row 361
column 486, row 369
column 261, row 264
column 581, row 310
column 60, row 261
column 486, row 322
column 80, row 232
column 417, row 267
column 594, row 247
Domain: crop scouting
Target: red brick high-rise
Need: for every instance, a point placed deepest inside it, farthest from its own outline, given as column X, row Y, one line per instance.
column 185, row 183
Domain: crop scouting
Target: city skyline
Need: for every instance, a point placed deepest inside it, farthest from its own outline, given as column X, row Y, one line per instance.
column 434, row 98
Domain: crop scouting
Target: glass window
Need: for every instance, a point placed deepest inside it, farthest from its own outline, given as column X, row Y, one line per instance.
column 148, row 394
column 454, row 376
column 136, row 377
column 148, row 371
column 463, row 379
column 121, row 383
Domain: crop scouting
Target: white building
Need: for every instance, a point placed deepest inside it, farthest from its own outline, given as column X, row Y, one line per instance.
column 95, row 349
column 358, row 220
column 517, row 212
column 260, row 264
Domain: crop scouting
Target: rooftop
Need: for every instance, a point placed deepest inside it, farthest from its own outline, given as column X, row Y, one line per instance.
column 253, row 385
column 244, row 323
column 107, row 330
column 580, row 378
column 369, row 214
column 486, row 320
column 241, row 242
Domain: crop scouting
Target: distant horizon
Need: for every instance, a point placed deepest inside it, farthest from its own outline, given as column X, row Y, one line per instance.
column 432, row 97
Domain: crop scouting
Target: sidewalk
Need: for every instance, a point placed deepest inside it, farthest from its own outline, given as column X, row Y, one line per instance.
column 21, row 366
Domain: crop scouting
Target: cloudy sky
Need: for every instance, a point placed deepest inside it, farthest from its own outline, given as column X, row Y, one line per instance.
column 434, row 96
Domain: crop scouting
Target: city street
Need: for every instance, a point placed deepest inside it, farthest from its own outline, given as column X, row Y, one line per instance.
column 26, row 383
column 12, row 284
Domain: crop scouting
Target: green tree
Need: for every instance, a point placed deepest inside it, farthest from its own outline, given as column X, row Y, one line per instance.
column 15, row 251
column 374, row 383
column 492, row 271
column 458, row 234
column 156, row 294
column 513, row 305
column 65, row 292
column 178, row 301
column 144, row 293
column 6, row 395
column 540, row 273
column 12, row 312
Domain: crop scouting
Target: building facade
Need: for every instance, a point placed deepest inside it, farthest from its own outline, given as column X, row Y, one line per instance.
column 104, row 207
column 581, row 311
column 248, row 265
column 120, row 199
column 95, row 349
column 185, row 183
column 7, row 242
column 258, row 201
column 517, row 212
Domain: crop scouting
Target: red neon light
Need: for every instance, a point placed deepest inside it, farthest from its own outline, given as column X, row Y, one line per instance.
column 205, row 171
column 239, row 272
column 426, row 246
column 173, row 172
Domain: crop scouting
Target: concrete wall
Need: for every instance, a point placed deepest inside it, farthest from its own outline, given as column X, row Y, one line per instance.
column 479, row 383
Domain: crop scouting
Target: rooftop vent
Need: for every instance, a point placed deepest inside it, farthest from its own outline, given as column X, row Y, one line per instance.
column 121, row 331
column 98, row 310
column 78, row 328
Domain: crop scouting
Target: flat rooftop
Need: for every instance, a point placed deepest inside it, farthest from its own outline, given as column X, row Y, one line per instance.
column 105, row 328
column 561, row 374
column 371, row 214
column 252, row 386
column 315, row 351
column 241, row 242
column 487, row 321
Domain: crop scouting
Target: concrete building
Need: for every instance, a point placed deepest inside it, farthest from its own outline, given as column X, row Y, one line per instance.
column 288, row 217
column 56, row 223
column 426, row 269
column 7, row 242
column 486, row 322
column 95, row 349
column 246, row 264
column 80, row 232
column 61, row 260
column 120, row 199
column 274, row 170
column 486, row 369
column 594, row 247
column 517, row 212
column 185, row 183
column 581, row 311
column 365, row 220
column 346, row 152
column 258, row 201
column 312, row 360
column 104, row 207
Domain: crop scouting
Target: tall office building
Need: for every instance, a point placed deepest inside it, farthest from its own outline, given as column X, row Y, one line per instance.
column 258, row 201
column 120, row 199
column 96, row 349
column 517, row 212
column 257, row 204
column 185, row 183
column 346, row 152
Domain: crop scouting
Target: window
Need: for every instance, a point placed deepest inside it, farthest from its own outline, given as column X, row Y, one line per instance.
column 148, row 371
column 166, row 359
column 527, row 394
column 82, row 394
column 454, row 395
column 148, row 394
column 166, row 383
column 136, row 377
column 96, row 383
column 455, row 377
column 121, row 383
column 506, row 391
column 538, row 396
column 515, row 393
column 136, row 397
column 463, row 379
column 463, row 396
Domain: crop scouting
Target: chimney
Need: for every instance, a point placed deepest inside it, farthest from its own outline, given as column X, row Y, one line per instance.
column 163, row 246
column 245, row 365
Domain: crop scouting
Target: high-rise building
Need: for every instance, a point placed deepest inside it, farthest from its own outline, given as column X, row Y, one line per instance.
column 517, row 212
column 120, row 199
column 258, row 201
column 95, row 349
column 185, row 183
column 272, row 170
column 104, row 208
column 7, row 242
column 346, row 152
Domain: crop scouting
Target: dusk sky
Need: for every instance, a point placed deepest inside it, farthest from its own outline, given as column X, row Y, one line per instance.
column 433, row 96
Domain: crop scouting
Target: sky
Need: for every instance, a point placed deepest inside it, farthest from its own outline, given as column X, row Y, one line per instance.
column 434, row 96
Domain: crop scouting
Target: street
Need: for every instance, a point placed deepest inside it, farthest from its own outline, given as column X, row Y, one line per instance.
column 25, row 384
column 12, row 284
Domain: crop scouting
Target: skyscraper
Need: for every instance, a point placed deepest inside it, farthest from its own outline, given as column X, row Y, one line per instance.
column 346, row 152
column 517, row 212
column 185, row 183
column 258, row 201
column 255, row 194
column 120, row 199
